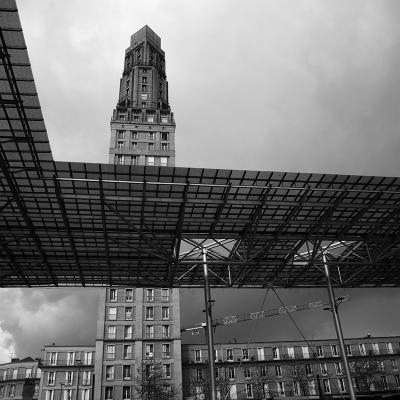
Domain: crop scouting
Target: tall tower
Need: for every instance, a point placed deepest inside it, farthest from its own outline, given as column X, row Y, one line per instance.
column 142, row 125
column 139, row 326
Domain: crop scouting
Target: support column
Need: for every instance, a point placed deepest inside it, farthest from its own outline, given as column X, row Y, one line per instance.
column 209, row 329
column 338, row 328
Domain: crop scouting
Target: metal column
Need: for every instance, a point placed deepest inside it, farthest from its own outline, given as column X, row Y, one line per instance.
column 209, row 329
column 338, row 328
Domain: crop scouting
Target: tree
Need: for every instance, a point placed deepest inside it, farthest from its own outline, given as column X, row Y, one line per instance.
column 367, row 374
column 150, row 382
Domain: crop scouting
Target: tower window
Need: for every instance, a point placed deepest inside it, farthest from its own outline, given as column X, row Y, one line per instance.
column 144, row 88
column 144, row 79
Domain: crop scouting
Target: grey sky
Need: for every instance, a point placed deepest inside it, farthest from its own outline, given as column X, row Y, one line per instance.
column 306, row 85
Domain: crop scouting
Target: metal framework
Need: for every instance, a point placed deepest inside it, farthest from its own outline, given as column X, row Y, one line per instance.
column 97, row 224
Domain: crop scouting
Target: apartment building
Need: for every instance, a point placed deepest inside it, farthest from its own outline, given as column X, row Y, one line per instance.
column 67, row 373
column 20, row 379
column 293, row 368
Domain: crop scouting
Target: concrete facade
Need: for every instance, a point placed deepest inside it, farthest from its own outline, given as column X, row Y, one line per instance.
column 67, row 373
column 294, row 368
column 20, row 379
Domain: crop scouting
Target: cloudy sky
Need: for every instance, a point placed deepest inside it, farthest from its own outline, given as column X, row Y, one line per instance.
column 268, row 85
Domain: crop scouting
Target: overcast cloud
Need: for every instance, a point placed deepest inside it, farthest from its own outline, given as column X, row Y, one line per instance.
column 287, row 85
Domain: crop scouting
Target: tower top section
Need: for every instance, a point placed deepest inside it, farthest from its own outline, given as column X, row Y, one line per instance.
column 145, row 34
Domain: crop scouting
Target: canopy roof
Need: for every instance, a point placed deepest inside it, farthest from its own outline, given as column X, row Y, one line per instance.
column 100, row 224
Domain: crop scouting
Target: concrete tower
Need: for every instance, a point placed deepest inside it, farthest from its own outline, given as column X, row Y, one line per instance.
column 139, row 326
column 142, row 125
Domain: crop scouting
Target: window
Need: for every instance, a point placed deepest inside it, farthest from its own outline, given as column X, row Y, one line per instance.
column 120, row 145
column 134, row 135
column 278, row 371
column 249, row 391
column 164, row 136
column 167, row 370
column 320, row 351
column 149, row 313
column 51, row 378
column 197, row 355
column 397, row 379
column 120, row 159
column 338, row 368
column 150, row 146
column 69, row 378
column 134, row 145
column 384, row 382
column 110, row 351
column 334, row 350
column 296, row 388
column 144, row 79
column 144, row 104
column 166, row 350
column 49, row 395
column 143, row 96
column 361, row 348
column 126, row 393
column 134, row 160
column 86, row 378
column 108, row 393
column 394, row 365
column 128, row 313
column 375, row 348
column 199, row 374
column 164, row 161
column 348, row 349
column 109, row 372
column 326, row 385
column 166, row 331
column 281, row 389
column 150, row 118
column 111, row 331
column 149, row 160
column 305, row 351
column 127, row 351
column 260, row 354
column 11, row 391
column 87, row 358
column 128, row 294
column 229, row 354
column 294, row 370
column 245, row 354
column 144, row 88
column 341, row 385
column 311, row 388
column 15, row 373
column 164, row 294
column 149, row 348
column 164, row 120
column 309, row 369
column 150, row 292
column 389, row 348
column 290, row 351
column 164, row 146
column 247, row 373
column 112, row 313
column 231, row 372
column 165, row 312
column 152, row 136
column 128, row 330
column 263, row 370
column 120, row 134
column 275, row 353
column 324, row 371
column 28, row 373
column 85, row 394
column 149, row 331
column 126, row 372
column 53, row 358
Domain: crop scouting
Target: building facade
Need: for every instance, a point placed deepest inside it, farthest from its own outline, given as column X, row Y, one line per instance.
column 67, row 373
column 20, row 379
column 142, row 125
column 293, row 369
